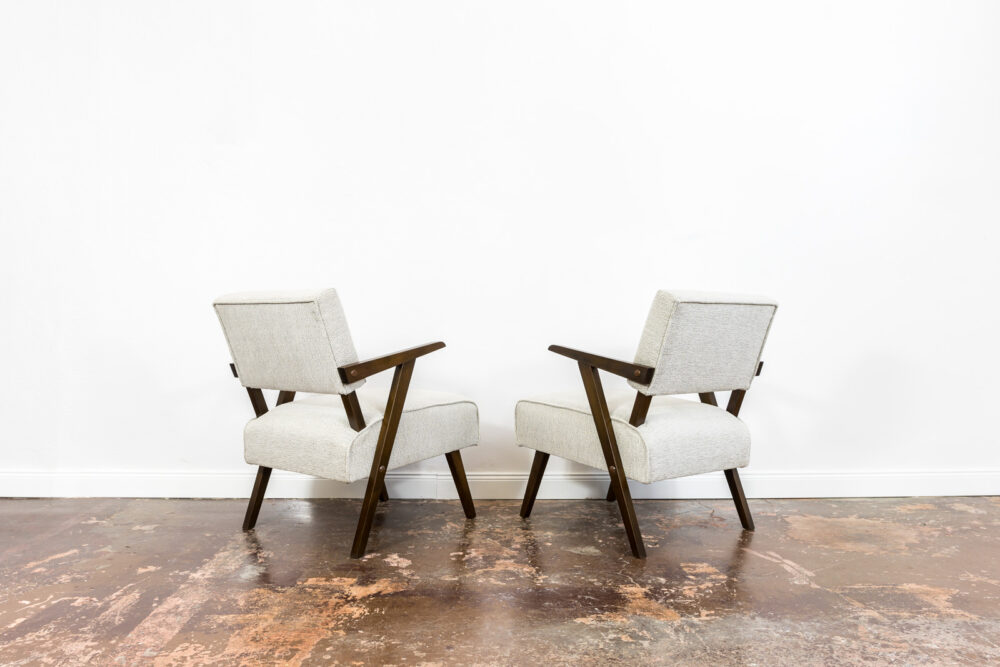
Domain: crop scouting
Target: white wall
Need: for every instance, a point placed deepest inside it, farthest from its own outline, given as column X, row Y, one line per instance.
column 502, row 176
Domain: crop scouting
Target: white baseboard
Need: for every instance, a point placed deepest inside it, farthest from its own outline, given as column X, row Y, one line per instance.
column 757, row 484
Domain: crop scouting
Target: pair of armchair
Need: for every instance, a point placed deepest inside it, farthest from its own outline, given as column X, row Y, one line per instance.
column 299, row 342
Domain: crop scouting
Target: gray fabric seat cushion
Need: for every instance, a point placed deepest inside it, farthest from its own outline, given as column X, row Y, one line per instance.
column 680, row 437
column 311, row 435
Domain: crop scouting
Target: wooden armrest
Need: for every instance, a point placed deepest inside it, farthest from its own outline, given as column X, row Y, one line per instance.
column 362, row 369
column 635, row 372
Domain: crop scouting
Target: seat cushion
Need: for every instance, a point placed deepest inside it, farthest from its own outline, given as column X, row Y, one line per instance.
column 311, row 435
column 680, row 437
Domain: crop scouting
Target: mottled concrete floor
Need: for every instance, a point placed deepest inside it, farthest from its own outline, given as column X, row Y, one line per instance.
column 820, row 582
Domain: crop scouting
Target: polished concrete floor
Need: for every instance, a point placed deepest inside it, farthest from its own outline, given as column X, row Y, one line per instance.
column 171, row 582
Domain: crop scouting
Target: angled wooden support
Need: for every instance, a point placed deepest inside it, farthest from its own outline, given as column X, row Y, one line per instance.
column 362, row 369
column 639, row 411
column 732, row 474
column 383, row 450
column 635, row 372
column 606, row 434
column 357, row 421
column 353, row 409
column 534, row 481
column 403, row 361
column 256, row 497
column 736, row 489
column 590, row 366
column 461, row 483
column 263, row 472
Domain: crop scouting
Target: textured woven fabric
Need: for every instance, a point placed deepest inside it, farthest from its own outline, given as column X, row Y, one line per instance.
column 700, row 342
column 680, row 437
column 311, row 435
column 288, row 340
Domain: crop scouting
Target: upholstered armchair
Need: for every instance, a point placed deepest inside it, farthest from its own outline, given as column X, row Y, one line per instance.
column 299, row 342
column 693, row 343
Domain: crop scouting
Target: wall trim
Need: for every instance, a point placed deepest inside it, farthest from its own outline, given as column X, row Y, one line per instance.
column 236, row 484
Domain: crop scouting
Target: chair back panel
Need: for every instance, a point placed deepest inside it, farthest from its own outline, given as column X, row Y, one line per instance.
column 702, row 342
column 292, row 340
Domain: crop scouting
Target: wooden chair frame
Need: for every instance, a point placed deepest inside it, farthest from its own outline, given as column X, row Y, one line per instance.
column 403, row 362
column 590, row 366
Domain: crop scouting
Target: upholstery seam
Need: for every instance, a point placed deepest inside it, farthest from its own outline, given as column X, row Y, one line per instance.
column 760, row 352
column 380, row 418
column 267, row 300
column 563, row 407
column 225, row 332
column 333, row 353
column 663, row 338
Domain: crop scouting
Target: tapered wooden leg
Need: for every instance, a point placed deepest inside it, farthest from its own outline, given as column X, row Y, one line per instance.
column 461, row 483
column 263, row 473
column 640, row 408
column 383, row 450
column 606, row 434
column 368, row 505
column 256, row 497
column 736, row 488
column 534, row 481
column 383, row 495
column 624, row 498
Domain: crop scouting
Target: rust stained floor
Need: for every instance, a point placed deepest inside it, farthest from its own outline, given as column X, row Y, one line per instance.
column 173, row 582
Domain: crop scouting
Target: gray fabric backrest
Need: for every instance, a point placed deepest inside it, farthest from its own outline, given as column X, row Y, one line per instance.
column 293, row 340
column 702, row 341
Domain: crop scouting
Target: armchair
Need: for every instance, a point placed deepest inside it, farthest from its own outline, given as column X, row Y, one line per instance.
column 693, row 343
column 299, row 342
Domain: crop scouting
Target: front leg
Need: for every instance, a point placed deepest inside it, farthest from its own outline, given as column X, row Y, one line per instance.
column 383, row 450
column 612, row 457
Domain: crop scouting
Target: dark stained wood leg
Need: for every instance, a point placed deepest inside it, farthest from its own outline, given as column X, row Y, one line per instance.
column 732, row 475
column 383, row 495
column 605, row 432
column 368, row 505
column 383, row 450
column 256, row 497
column 263, row 473
column 736, row 488
column 257, row 401
column 735, row 401
column 461, row 483
column 640, row 409
column 353, row 409
column 611, row 493
column 534, row 481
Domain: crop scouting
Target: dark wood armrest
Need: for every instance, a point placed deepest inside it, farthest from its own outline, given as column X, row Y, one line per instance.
column 635, row 372
column 362, row 369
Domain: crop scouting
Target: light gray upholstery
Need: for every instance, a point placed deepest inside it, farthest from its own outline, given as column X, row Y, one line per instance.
column 680, row 437
column 701, row 341
column 311, row 435
column 293, row 340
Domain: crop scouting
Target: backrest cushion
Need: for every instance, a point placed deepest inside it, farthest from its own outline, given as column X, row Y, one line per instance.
column 291, row 340
column 702, row 341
